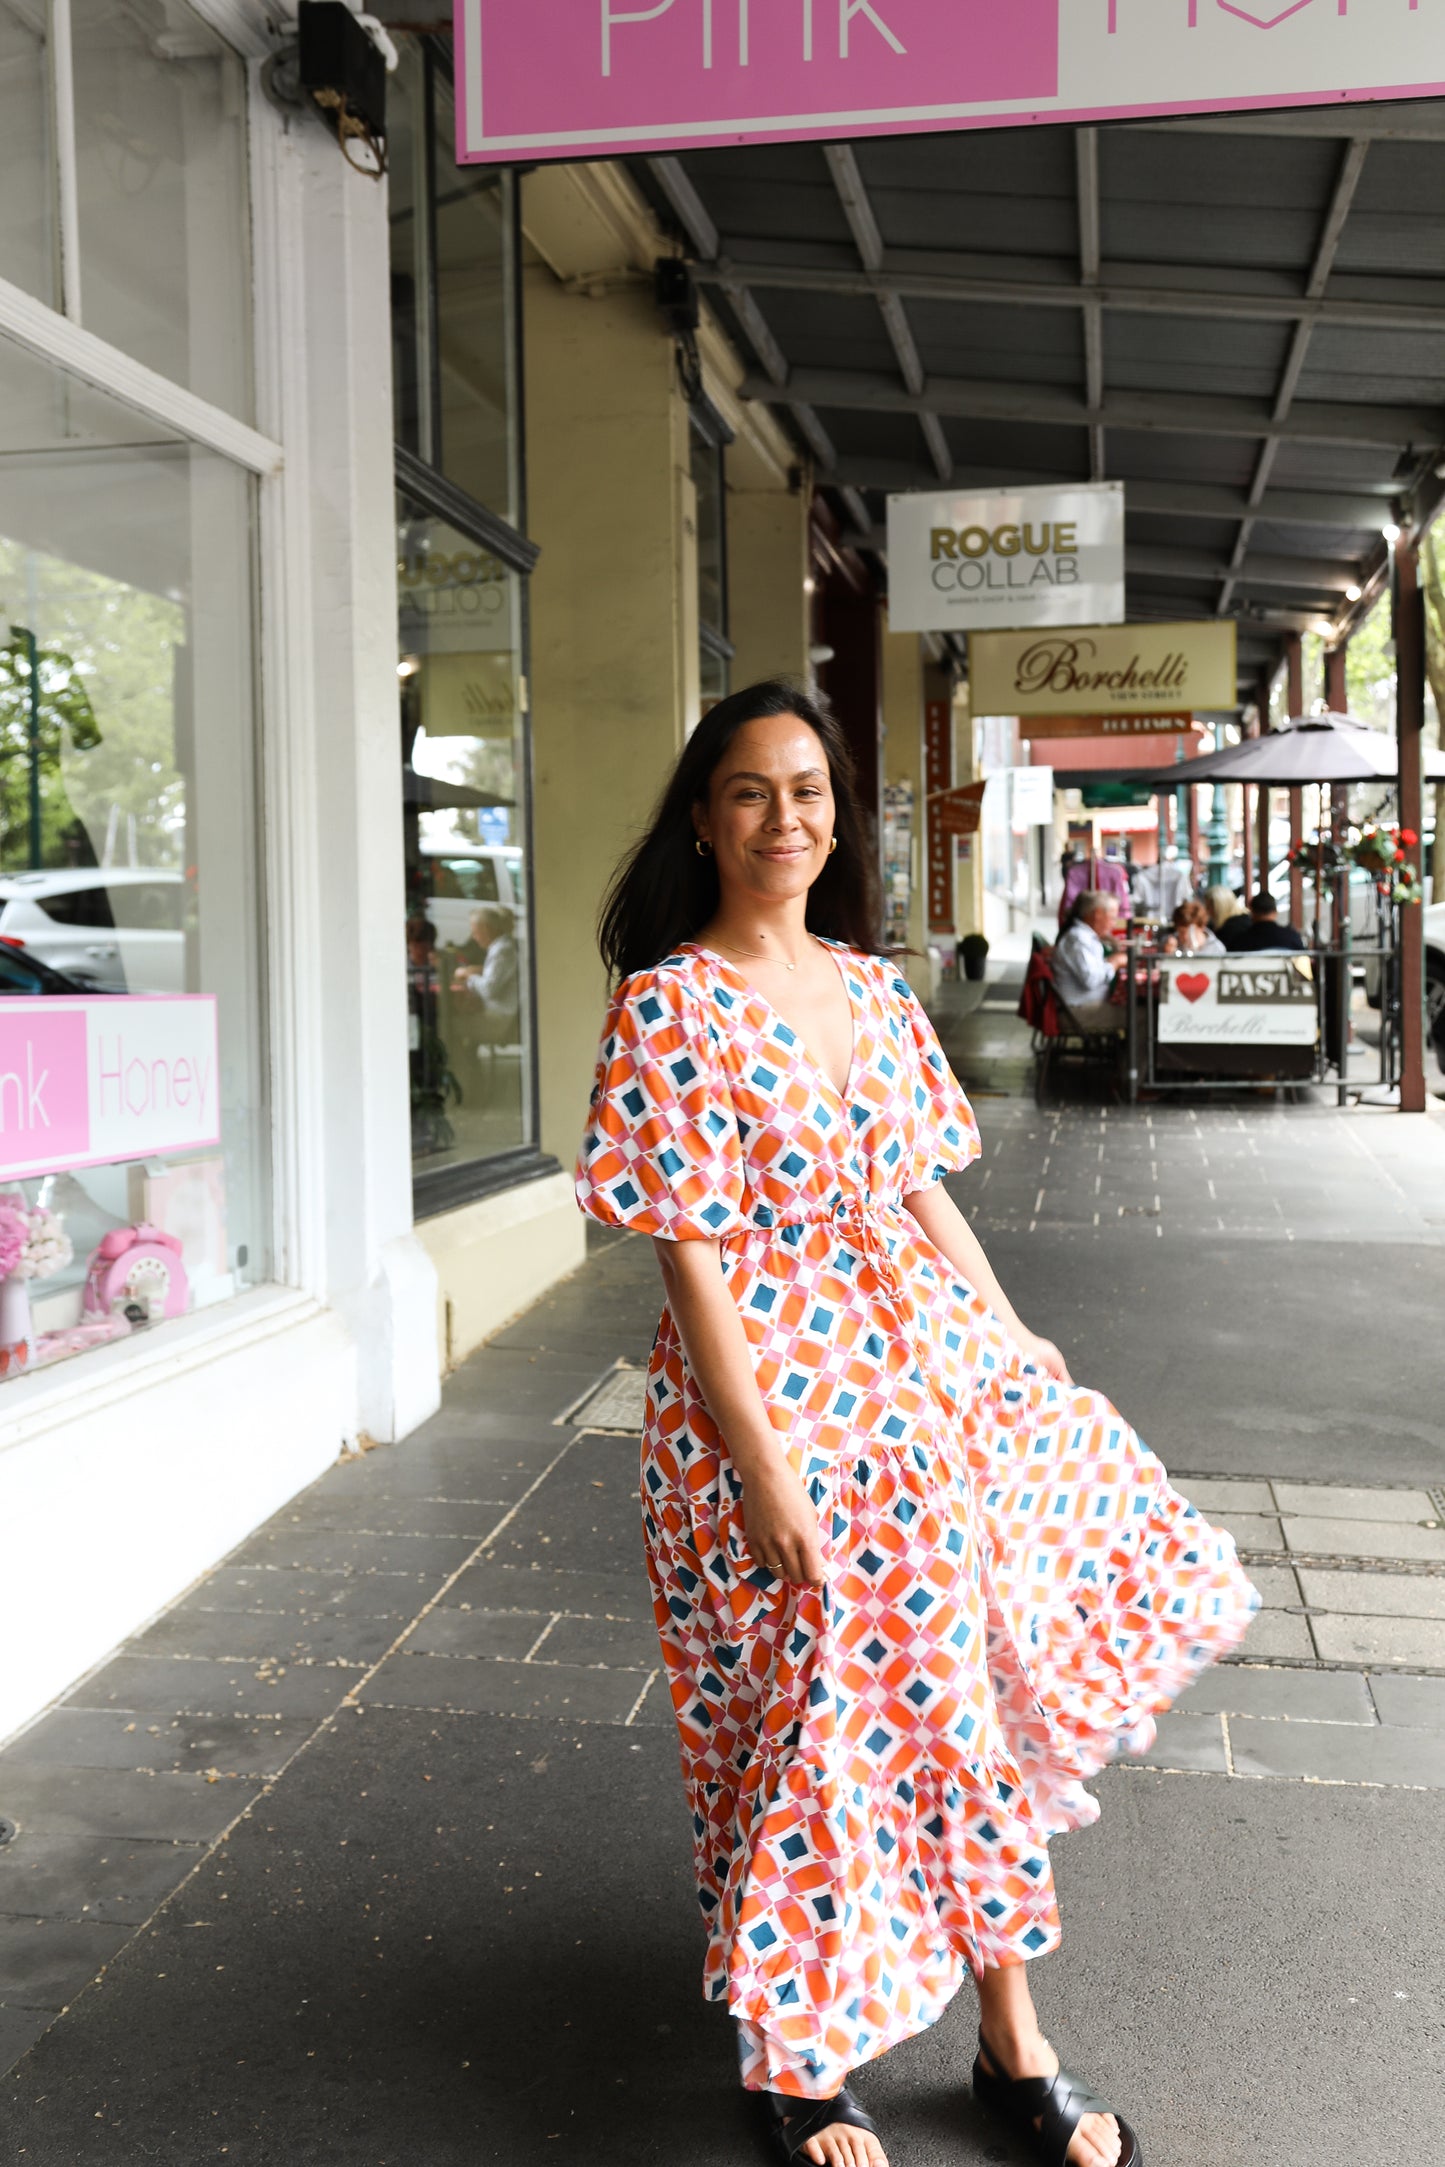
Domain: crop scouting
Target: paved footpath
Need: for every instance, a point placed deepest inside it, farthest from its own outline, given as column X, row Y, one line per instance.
column 371, row 1852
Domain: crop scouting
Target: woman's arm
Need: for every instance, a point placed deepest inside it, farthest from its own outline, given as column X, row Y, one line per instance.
column 944, row 1224
column 782, row 1525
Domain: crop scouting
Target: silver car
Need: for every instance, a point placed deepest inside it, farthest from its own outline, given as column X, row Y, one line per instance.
column 117, row 928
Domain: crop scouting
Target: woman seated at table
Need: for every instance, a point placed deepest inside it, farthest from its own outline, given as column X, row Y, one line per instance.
column 1223, row 904
column 1192, row 933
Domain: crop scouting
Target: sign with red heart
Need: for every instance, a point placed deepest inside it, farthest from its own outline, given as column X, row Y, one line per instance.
column 1261, row 999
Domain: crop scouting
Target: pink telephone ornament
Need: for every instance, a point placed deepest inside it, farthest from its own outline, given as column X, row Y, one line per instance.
column 136, row 1272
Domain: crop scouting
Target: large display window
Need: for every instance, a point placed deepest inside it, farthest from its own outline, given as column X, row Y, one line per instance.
column 462, row 563
column 133, row 1161
column 464, row 810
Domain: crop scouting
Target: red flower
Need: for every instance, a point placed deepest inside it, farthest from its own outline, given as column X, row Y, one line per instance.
column 1408, row 837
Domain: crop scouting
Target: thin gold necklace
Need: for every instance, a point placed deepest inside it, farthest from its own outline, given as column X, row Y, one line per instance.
column 752, row 955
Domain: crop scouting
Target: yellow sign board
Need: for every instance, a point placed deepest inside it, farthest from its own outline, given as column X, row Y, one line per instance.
column 1093, row 669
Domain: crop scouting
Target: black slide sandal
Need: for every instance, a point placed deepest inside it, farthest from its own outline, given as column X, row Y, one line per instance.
column 1046, row 2111
column 794, row 2121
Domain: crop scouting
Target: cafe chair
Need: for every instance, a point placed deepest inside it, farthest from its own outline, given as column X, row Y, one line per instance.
column 1057, row 1032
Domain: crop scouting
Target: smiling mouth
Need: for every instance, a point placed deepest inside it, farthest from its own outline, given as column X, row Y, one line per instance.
column 785, row 850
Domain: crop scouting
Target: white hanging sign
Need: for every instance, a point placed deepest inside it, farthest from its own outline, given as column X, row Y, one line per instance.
column 1015, row 558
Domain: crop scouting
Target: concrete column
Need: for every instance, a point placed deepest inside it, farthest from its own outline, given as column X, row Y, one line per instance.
column 614, row 635
column 903, row 695
column 376, row 1272
column 767, row 531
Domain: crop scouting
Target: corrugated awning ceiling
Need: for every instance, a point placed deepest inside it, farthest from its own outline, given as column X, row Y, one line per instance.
column 1243, row 319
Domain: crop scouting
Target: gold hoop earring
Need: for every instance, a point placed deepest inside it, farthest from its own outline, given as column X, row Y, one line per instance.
column 832, row 844
column 703, row 847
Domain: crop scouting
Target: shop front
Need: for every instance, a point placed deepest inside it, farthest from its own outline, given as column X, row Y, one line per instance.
column 209, row 1281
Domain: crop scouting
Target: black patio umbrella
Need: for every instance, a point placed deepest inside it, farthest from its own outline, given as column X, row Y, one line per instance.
column 1309, row 749
column 430, row 795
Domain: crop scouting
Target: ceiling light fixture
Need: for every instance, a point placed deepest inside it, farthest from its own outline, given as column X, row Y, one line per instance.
column 1352, row 594
column 1391, row 533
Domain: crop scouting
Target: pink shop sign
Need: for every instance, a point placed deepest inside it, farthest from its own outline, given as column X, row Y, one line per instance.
column 587, row 78
column 86, row 1083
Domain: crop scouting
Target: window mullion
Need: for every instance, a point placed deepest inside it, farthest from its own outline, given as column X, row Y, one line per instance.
column 62, row 106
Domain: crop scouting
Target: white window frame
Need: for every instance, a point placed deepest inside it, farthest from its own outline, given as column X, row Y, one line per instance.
column 287, row 813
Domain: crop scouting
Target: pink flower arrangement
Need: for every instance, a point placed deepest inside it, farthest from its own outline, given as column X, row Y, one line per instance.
column 43, row 1245
column 14, row 1232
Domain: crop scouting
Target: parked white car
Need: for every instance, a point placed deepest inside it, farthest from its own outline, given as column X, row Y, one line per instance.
column 117, row 928
column 465, row 875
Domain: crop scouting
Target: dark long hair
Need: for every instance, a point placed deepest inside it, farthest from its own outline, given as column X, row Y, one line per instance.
column 665, row 891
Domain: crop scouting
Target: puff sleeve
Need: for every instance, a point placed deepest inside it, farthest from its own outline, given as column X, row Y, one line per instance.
column 661, row 1153
column 945, row 1134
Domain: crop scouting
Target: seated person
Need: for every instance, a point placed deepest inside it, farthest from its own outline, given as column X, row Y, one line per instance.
column 496, row 987
column 1224, row 904
column 1192, row 934
column 1086, row 957
column 1260, row 929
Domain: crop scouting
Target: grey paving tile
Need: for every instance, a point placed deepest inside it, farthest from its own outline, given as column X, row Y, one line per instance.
column 1337, row 1752
column 343, row 1550
column 460, row 1469
column 477, row 1633
column 1276, row 1586
column 115, row 1738
column 1251, row 1530
column 607, row 1641
column 1214, row 1494
column 1275, row 1633
column 250, row 1636
column 1364, row 1538
column 381, row 1511
column 1411, row 1704
column 94, row 1877
column 1301, row 1696
column 1383, row 1595
column 1320, row 1500
column 1418, row 1641
column 490, row 1586
column 201, row 1686
column 119, row 1802
column 19, row 2030
column 310, row 1592
column 509, row 1689
column 45, row 1962
column 1194, row 1742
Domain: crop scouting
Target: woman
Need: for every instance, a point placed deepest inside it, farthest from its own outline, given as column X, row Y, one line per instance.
column 913, row 1586
column 1192, row 935
column 1223, row 904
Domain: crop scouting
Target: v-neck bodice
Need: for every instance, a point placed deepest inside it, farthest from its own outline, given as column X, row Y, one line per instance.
column 837, row 955
column 711, row 1118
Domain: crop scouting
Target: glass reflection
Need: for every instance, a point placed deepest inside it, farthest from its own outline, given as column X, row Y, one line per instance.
column 463, row 795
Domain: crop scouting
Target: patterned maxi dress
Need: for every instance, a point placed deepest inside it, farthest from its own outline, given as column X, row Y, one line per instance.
column 1012, row 1588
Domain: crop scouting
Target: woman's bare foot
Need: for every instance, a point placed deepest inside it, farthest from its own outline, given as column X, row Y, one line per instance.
column 843, row 2146
column 1017, row 2048
column 1096, row 2141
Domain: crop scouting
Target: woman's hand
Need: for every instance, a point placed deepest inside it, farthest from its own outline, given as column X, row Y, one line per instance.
column 782, row 1525
column 1045, row 1356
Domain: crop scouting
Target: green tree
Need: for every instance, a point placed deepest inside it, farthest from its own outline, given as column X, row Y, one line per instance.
column 43, row 703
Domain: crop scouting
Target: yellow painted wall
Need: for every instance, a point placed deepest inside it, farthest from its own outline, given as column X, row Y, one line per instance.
column 496, row 1256
column 767, row 564
column 613, row 668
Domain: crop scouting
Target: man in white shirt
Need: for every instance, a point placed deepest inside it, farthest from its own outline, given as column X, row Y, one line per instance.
column 1086, row 957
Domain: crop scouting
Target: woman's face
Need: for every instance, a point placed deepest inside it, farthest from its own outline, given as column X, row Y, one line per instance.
column 769, row 811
